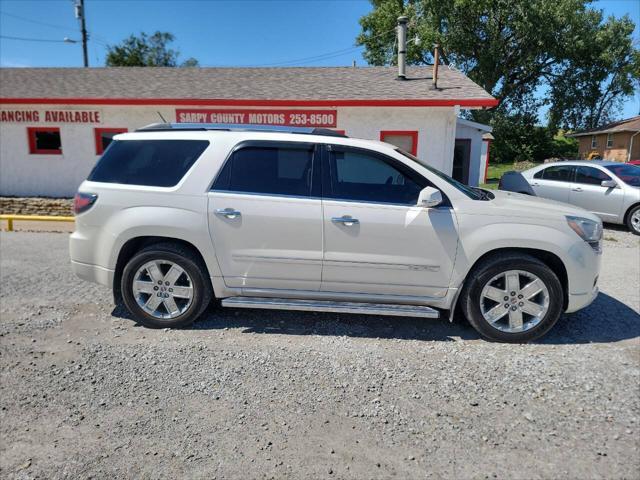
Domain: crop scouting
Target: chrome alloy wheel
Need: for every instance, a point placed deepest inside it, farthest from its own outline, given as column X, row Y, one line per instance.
column 514, row 301
column 635, row 220
column 163, row 289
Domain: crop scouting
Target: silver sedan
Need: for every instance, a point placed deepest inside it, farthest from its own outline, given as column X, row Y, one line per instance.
column 611, row 190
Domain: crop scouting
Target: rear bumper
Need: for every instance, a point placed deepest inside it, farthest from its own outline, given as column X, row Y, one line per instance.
column 93, row 273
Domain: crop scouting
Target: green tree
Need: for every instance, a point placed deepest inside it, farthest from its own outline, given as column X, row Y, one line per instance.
column 605, row 69
column 528, row 54
column 146, row 51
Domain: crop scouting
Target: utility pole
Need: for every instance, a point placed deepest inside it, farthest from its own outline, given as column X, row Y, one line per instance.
column 83, row 29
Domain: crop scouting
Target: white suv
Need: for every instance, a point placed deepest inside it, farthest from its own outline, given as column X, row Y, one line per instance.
column 306, row 219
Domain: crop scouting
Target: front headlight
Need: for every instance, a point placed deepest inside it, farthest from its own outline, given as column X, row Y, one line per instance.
column 588, row 230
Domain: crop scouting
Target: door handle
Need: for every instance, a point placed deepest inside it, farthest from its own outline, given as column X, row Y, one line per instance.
column 346, row 220
column 578, row 189
column 228, row 212
column 535, row 184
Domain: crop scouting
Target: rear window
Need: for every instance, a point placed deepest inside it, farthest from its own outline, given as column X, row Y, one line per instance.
column 155, row 163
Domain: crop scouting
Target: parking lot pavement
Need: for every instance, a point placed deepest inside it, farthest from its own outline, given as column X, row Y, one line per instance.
column 265, row 394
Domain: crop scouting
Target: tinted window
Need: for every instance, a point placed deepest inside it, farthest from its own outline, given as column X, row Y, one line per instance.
column 157, row 163
column 47, row 140
column 558, row 173
column 360, row 176
column 539, row 174
column 629, row 174
column 590, row 175
column 268, row 170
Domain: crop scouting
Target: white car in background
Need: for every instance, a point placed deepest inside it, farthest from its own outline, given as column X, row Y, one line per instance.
column 611, row 190
column 305, row 219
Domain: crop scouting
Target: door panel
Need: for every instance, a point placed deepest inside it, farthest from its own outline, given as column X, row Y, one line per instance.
column 276, row 242
column 263, row 220
column 587, row 193
column 554, row 183
column 376, row 241
column 393, row 249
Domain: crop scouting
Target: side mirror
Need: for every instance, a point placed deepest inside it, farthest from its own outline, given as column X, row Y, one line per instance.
column 429, row 197
column 609, row 183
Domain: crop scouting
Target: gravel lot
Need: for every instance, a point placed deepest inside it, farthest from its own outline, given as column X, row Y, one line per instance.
column 263, row 394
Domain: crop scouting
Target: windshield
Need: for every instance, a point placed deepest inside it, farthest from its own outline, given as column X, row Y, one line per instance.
column 471, row 192
column 629, row 174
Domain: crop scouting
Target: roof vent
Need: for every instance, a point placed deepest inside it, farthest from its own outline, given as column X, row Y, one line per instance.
column 436, row 62
column 402, row 47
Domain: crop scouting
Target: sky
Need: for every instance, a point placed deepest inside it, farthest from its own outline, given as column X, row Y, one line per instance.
column 217, row 33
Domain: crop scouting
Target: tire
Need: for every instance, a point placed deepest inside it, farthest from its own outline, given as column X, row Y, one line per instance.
column 492, row 275
column 633, row 220
column 155, row 286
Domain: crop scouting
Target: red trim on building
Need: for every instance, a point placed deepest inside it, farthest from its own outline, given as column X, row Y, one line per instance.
column 33, row 146
column 409, row 133
column 98, row 131
column 467, row 102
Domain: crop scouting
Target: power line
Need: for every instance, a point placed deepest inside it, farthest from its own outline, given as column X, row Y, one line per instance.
column 24, row 39
column 96, row 38
column 323, row 56
column 37, row 22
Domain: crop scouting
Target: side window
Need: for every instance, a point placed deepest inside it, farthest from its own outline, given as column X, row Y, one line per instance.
column 357, row 175
column 268, row 170
column 558, row 173
column 44, row 140
column 104, row 137
column 406, row 140
column 539, row 174
column 609, row 140
column 157, row 163
column 590, row 176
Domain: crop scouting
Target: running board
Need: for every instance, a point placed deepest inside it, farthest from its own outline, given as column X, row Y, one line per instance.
column 331, row 306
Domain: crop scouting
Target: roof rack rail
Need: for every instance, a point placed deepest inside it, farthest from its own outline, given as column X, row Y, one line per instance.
column 232, row 127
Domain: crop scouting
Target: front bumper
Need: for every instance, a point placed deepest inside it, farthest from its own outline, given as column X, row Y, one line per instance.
column 582, row 300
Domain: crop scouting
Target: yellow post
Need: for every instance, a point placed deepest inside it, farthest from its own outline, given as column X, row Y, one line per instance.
column 9, row 224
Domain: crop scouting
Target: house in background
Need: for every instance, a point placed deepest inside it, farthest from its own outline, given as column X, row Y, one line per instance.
column 471, row 152
column 617, row 141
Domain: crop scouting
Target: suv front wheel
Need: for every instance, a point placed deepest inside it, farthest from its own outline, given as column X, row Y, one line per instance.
column 512, row 298
column 165, row 286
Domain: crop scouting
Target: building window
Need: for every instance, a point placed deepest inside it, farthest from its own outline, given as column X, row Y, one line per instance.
column 609, row 140
column 406, row 140
column 44, row 140
column 104, row 136
column 594, row 141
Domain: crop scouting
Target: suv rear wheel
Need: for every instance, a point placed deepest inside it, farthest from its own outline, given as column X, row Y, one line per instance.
column 165, row 286
column 512, row 298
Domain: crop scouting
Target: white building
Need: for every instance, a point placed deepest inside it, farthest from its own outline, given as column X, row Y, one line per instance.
column 471, row 152
column 55, row 122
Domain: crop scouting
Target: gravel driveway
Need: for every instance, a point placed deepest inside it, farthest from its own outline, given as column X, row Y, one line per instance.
column 85, row 393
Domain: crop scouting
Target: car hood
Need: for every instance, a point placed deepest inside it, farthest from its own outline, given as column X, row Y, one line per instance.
column 517, row 204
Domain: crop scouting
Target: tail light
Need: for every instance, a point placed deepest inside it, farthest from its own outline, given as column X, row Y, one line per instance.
column 83, row 202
